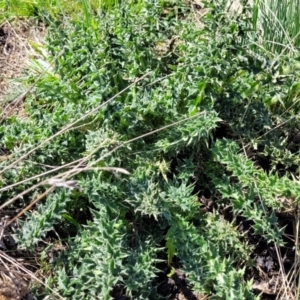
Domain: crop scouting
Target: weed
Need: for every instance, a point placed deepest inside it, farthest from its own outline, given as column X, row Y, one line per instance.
column 113, row 101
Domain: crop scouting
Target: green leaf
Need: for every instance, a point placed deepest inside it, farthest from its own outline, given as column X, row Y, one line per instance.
column 70, row 220
column 170, row 250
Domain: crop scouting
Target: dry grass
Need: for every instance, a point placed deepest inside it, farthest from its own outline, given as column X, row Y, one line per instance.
column 14, row 277
column 15, row 52
column 20, row 270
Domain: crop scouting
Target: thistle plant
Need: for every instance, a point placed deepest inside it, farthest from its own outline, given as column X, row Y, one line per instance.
column 121, row 141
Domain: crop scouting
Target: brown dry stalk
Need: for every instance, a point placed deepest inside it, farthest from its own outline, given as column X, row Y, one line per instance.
column 69, row 127
column 26, row 271
column 11, row 106
column 64, row 175
column 76, row 170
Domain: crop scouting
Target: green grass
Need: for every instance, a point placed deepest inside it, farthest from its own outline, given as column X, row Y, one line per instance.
column 42, row 8
column 278, row 22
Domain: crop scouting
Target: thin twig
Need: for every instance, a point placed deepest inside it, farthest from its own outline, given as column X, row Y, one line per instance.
column 21, row 97
column 19, row 266
column 76, row 170
column 69, row 126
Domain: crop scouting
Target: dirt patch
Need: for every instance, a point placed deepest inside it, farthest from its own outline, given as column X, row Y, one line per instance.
column 16, row 48
column 184, row 292
column 13, row 278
